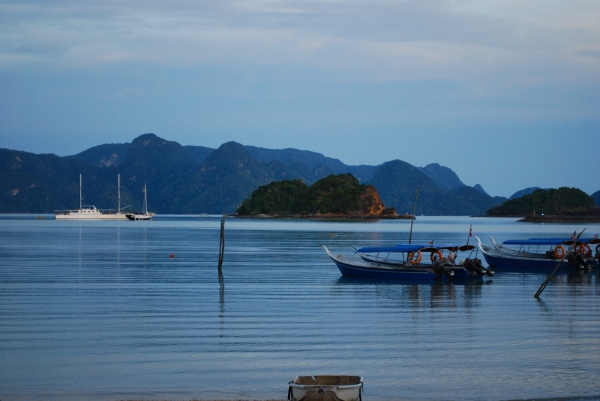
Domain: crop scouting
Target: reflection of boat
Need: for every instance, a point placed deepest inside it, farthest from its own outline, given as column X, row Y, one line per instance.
column 540, row 253
column 90, row 212
column 141, row 216
column 325, row 388
column 407, row 263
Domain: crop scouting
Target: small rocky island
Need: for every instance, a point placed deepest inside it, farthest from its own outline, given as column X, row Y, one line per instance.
column 333, row 197
column 562, row 205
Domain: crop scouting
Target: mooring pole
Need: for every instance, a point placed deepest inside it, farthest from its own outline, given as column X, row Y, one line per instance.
column 572, row 247
column 413, row 216
column 222, row 243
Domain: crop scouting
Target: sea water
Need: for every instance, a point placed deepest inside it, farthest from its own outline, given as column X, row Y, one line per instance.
column 101, row 311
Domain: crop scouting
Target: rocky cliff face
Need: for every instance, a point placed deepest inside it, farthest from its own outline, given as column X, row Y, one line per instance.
column 370, row 202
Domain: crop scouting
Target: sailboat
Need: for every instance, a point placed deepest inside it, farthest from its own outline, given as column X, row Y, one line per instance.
column 141, row 216
column 90, row 212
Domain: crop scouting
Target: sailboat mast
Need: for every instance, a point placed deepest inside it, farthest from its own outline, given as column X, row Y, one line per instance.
column 145, row 201
column 80, row 198
column 119, row 191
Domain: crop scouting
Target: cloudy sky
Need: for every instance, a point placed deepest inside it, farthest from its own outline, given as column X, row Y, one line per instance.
column 504, row 92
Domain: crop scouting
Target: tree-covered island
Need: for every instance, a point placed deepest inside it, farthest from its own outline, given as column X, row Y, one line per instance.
column 335, row 196
column 550, row 205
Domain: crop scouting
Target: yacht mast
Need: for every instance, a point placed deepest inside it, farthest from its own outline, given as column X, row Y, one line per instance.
column 119, row 191
column 145, row 201
column 80, row 199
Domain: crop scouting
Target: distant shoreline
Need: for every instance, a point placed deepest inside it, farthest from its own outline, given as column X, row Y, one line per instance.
column 560, row 219
column 552, row 219
column 324, row 217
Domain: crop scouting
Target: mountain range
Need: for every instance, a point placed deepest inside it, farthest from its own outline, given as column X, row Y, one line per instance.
column 197, row 179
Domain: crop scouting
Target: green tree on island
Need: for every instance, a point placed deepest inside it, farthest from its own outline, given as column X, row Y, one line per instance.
column 336, row 194
column 541, row 201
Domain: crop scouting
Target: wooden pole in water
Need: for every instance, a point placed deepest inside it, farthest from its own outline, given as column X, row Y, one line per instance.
column 413, row 216
column 572, row 247
column 222, row 244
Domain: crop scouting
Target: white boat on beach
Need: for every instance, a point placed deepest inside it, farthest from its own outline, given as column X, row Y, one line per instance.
column 90, row 212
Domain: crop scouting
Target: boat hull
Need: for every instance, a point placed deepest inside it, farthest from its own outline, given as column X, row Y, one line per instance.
column 519, row 264
column 503, row 260
column 142, row 217
column 90, row 215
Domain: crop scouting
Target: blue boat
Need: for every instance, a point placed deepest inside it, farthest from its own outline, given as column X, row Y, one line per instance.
column 541, row 254
column 405, row 263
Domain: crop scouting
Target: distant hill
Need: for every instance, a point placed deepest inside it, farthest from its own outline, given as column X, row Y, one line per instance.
column 596, row 197
column 199, row 153
column 541, row 201
column 525, row 191
column 333, row 195
column 396, row 183
column 31, row 183
column 227, row 177
column 311, row 166
column 198, row 179
column 108, row 155
column 479, row 188
column 444, row 177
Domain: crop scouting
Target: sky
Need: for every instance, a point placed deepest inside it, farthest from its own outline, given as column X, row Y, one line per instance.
column 504, row 92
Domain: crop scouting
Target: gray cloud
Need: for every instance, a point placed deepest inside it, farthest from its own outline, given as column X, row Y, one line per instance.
column 368, row 41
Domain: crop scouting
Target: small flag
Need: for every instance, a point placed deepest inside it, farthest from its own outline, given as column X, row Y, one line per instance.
column 470, row 231
column 574, row 236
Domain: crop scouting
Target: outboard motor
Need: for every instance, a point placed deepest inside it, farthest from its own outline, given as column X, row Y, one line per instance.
column 439, row 269
column 576, row 260
column 475, row 267
column 479, row 265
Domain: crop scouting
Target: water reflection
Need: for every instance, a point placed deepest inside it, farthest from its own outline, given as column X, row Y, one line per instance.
column 420, row 294
column 221, row 292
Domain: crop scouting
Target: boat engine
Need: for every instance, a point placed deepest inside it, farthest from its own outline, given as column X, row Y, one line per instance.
column 474, row 266
column 576, row 260
column 439, row 269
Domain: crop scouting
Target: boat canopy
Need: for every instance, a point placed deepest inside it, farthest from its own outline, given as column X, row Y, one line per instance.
column 550, row 241
column 397, row 248
column 413, row 248
column 536, row 241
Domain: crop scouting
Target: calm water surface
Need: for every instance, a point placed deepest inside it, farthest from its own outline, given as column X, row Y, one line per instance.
column 98, row 310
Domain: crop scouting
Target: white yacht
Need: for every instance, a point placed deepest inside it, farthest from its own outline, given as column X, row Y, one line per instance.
column 90, row 212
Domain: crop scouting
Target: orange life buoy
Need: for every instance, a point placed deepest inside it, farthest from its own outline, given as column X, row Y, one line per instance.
column 586, row 250
column 559, row 251
column 417, row 260
column 433, row 253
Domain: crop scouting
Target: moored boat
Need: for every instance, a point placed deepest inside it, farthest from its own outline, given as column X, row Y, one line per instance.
column 541, row 253
column 138, row 215
column 407, row 263
column 90, row 212
column 325, row 388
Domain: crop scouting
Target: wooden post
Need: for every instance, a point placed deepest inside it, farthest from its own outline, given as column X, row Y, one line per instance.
column 222, row 244
column 413, row 216
column 572, row 247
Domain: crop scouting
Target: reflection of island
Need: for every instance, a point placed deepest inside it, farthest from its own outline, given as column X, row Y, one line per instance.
column 333, row 197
